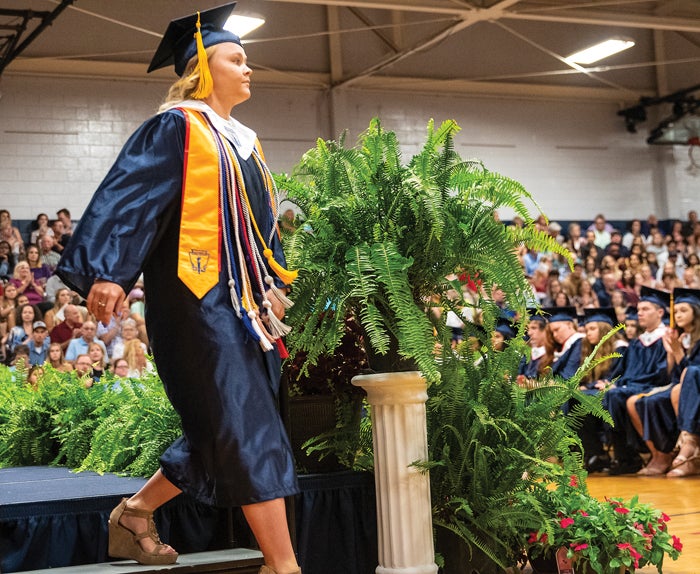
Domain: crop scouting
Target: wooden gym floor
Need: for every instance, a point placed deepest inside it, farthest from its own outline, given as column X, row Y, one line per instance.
column 679, row 498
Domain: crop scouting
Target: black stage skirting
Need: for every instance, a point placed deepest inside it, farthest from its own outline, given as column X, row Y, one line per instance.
column 51, row 517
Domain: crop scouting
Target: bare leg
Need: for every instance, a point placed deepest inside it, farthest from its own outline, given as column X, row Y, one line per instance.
column 268, row 521
column 676, row 394
column 634, row 415
column 156, row 492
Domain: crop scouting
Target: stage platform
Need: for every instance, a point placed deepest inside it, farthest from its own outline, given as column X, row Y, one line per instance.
column 51, row 517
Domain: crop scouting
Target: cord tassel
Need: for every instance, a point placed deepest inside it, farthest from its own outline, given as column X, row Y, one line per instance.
column 264, row 341
column 278, row 293
column 287, row 276
column 234, row 298
column 205, row 84
column 277, row 328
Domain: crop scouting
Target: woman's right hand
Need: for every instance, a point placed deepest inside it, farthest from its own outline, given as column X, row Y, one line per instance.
column 105, row 299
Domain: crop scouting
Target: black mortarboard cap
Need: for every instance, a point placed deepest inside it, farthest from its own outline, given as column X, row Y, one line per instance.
column 683, row 295
column 601, row 315
column 660, row 298
column 505, row 328
column 631, row 313
column 534, row 315
column 557, row 314
column 178, row 44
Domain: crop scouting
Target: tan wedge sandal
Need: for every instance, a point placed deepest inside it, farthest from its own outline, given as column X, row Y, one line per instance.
column 124, row 543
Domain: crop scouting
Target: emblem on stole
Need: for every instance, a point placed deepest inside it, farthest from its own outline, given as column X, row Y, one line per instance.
column 199, row 259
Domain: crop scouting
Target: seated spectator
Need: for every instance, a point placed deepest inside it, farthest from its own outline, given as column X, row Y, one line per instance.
column 21, row 333
column 657, row 245
column 59, row 235
column 628, row 286
column 653, row 414
column 64, row 216
column 575, row 242
column 46, row 251
column 615, row 247
column 39, row 344
column 26, row 284
column 653, row 263
column 691, row 277
column 52, row 287
column 642, row 368
column 7, row 309
column 81, row 345
column 83, row 369
column 56, row 359
column 11, row 234
column 40, row 227
column 605, row 287
column 646, row 278
column 634, row 230
column 553, row 289
column 33, row 376
column 585, row 298
column 40, row 271
column 136, row 358
column 98, row 360
column 54, row 316
column 70, row 328
column 634, row 264
column 561, row 300
column 7, row 261
column 601, row 230
column 531, row 261
column 20, row 362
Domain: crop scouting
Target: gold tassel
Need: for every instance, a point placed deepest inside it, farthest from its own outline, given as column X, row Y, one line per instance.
column 205, row 84
column 287, row 303
column 287, row 276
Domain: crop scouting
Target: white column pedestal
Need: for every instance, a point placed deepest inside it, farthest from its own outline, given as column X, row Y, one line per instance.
column 404, row 519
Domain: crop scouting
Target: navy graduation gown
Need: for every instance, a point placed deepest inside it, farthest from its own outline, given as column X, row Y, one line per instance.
column 661, row 425
column 234, row 449
column 568, row 363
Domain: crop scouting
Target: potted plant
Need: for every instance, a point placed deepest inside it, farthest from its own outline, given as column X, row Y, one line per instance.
column 380, row 237
column 607, row 537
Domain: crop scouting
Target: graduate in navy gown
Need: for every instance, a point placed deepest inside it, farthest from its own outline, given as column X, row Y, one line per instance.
column 656, row 415
column 642, row 369
column 563, row 328
column 598, row 322
column 687, row 462
column 532, row 366
column 190, row 203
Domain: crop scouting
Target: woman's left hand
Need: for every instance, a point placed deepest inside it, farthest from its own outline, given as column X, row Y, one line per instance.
column 104, row 299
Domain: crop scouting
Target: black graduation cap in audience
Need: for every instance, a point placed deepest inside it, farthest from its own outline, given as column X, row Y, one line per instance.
column 505, row 328
column 557, row 314
column 659, row 298
column 684, row 295
column 601, row 315
column 535, row 314
column 178, row 44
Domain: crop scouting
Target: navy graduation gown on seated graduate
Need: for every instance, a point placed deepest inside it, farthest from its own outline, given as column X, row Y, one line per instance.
column 661, row 426
column 569, row 362
column 234, row 449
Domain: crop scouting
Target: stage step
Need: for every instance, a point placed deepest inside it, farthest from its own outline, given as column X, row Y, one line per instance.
column 238, row 560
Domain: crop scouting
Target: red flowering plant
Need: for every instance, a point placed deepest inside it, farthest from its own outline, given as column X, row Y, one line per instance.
column 602, row 536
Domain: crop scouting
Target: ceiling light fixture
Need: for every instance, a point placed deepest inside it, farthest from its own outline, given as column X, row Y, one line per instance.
column 242, row 25
column 601, row 50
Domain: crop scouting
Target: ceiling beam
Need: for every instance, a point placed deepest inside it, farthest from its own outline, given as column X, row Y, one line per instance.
column 91, row 69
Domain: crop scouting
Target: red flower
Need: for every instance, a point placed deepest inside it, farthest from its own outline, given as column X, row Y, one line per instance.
column 578, row 547
column 543, row 538
column 573, row 481
column 677, row 545
column 624, row 546
column 622, row 510
column 566, row 522
column 664, row 517
column 533, row 538
column 583, row 513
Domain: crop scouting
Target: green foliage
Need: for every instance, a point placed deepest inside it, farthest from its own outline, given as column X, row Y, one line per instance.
column 380, row 236
column 113, row 426
column 491, row 440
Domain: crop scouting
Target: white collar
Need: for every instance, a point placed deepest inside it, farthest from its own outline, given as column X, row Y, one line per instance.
column 568, row 343
column 648, row 338
column 242, row 137
column 537, row 352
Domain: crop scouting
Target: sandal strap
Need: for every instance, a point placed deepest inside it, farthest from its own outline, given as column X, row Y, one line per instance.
column 138, row 512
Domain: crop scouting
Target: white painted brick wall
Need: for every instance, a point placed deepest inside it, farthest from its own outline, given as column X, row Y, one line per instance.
column 59, row 137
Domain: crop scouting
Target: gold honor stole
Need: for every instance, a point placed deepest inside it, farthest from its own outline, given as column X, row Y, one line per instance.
column 200, row 230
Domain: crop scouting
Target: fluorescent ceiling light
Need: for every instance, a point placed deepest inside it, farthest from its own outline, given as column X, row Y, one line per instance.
column 601, row 50
column 242, row 25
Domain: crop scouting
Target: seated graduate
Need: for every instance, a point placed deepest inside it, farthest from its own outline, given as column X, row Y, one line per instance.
column 537, row 339
column 655, row 415
column 562, row 324
column 597, row 324
column 642, row 368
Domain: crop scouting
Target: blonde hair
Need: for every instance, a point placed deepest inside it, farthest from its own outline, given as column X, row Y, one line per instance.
column 184, row 87
column 132, row 355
